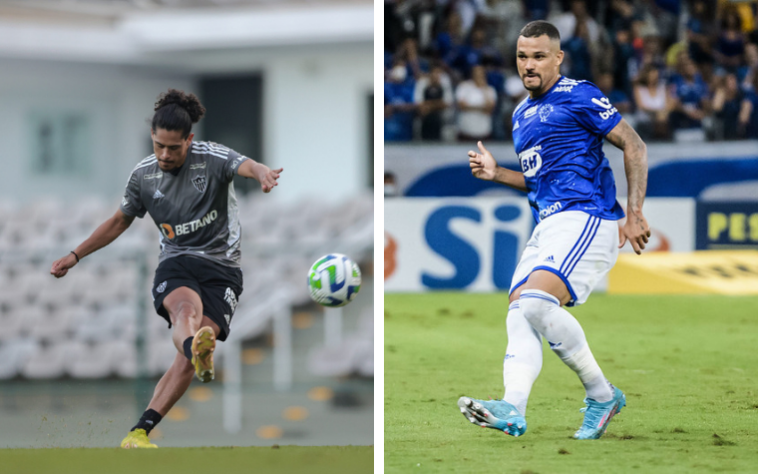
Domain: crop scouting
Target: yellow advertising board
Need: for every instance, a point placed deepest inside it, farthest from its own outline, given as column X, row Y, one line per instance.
column 713, row 272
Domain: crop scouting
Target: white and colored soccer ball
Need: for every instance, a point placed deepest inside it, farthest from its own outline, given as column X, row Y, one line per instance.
column 334, row 280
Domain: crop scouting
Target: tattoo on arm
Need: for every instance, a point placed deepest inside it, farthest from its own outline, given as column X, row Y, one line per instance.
column 625, row 138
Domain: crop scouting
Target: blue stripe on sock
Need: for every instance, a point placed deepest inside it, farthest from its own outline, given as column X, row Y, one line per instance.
column 539, row 296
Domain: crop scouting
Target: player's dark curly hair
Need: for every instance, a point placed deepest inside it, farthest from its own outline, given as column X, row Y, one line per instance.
column 538, row 28
column 176, row 110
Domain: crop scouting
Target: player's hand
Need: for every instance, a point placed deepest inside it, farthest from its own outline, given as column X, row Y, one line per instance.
column 62, row 265
column 267, row 177
column 483, row 165
column 636, row 231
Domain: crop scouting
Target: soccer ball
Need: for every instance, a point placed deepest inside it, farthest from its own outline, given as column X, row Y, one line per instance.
column 334, row 280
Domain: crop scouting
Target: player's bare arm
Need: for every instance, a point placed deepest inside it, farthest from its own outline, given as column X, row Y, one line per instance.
column 260, row 172
column 484, row 166
column 106, row 233
column 636, row 229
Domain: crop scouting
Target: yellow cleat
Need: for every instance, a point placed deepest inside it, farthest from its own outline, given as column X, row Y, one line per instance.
column 203, row 345
column 137, row 439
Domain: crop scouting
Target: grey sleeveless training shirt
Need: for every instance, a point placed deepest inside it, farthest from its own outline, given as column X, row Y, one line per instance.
column 196, row 210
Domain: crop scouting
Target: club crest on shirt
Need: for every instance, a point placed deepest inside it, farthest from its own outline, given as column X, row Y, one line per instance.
column 200, row 183
column 545, row 112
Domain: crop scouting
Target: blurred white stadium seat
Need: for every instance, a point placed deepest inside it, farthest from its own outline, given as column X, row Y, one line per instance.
column 15, row 354
column 160, row 356
column 122, row 357
column 354, row 355
column 89, row 361
column 49, row 362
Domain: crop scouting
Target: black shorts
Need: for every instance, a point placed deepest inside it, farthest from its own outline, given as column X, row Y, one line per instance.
column 219, row 287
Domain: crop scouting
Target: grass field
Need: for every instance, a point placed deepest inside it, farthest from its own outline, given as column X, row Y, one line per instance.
column 285, row 459
column 688, row 366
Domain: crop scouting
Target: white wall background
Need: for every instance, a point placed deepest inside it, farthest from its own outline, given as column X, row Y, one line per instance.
column 120, row 100
column 315, row 101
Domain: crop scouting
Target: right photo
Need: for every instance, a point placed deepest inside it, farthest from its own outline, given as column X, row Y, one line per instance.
column 571, row 236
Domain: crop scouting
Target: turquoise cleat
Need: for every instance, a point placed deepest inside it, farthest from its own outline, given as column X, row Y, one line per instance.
column 597, row 415
column 496, row 414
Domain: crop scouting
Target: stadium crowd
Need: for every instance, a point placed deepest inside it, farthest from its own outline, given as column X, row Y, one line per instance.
column 682, row 70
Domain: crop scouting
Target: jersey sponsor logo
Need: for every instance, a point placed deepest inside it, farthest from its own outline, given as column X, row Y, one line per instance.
column 531, row 161
column 551, row 209
column 162, row 287
column 198, row 166
column 125, row 201
column 157, row 175
column 231, row 299
column 188, row 227
column 530, row 111
column 168, row 232
column 606, row 104
column 516, row 126
column 158, row 194
column 200, row 183
column 564, row 88
column 545, row 112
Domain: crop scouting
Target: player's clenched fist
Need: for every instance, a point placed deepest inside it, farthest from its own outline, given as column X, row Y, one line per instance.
column 62, row 265
column 483, row 165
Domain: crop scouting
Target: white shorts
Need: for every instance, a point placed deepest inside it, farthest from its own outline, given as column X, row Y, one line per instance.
column 574, row 245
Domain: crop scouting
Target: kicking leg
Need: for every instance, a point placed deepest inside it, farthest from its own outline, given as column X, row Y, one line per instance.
column 521, row 366
column 185, row 309
column 174, row 382
column 541, row 301
column 195, row 356
column 194, row 334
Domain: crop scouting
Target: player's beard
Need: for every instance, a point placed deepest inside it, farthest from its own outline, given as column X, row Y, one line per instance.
column 532, row 88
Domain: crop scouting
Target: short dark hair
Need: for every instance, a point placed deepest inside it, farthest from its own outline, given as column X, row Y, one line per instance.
column 538, row 28
column 176, row 110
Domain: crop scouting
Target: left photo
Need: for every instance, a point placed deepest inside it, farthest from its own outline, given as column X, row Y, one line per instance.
column 180, row 268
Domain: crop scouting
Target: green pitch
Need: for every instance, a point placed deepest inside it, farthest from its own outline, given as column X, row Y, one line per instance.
column 289, row 459
column 688, row 366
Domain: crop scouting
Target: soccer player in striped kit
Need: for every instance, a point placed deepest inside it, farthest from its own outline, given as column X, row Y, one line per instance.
column 187, row 189
column 558, row 133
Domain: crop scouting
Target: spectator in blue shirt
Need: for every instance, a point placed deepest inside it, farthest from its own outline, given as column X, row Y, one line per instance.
column 469, row 55
column 577, row 49
column 751, row 109
column 688, row 95
column 746, row 72
column 731, row 108
column 399, row 106
column 730, row 45
column 617, row 97
column 700, row 31
column 447, row 42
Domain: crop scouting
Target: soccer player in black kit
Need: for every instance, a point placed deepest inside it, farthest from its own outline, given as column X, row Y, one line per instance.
column 187, row 188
